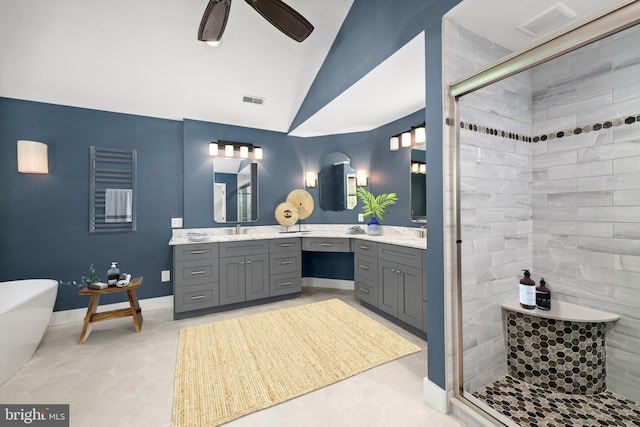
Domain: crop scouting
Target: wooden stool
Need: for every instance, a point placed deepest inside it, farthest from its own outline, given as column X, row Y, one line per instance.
column 134, row 309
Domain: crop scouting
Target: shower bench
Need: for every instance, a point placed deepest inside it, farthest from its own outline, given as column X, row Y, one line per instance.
column 562, row 349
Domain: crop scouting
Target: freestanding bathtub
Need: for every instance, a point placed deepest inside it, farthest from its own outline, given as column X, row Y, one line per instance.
column 25, row 311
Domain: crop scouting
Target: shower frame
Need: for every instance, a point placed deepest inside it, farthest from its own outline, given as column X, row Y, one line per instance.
column 608, row 22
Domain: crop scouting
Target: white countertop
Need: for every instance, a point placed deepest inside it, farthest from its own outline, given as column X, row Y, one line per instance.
column 561, row 310
column 404, row 236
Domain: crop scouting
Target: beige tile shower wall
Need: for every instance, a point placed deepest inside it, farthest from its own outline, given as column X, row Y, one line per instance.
column 586, row 191
column 495, row 201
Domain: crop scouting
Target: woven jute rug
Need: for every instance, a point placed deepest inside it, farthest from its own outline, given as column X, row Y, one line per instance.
column 237, row 366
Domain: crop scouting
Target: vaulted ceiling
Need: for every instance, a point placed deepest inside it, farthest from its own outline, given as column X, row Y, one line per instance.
column 143, row 57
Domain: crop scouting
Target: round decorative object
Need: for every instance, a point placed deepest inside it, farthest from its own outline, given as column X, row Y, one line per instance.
column 286, row 214
column 303, row 201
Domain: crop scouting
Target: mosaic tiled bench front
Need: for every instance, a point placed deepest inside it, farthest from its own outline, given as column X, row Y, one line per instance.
column 562, row 349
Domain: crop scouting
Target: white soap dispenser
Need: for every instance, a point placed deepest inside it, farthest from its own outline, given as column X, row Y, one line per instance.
column 113, row 274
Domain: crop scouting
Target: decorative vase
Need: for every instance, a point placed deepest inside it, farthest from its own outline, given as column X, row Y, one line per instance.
column 373, row 226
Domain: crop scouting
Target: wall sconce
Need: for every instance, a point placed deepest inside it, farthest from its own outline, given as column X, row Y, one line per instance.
column 230, row 149
column 394, row 143
column 418, row 167
column 310, row 179
column 361, row 178
column 32, row 157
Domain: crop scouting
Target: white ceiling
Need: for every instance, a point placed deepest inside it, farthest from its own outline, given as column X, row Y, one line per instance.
column 142, row 57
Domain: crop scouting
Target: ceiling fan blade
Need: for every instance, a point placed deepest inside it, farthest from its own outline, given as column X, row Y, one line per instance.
column 283, row 17
column 214, row 20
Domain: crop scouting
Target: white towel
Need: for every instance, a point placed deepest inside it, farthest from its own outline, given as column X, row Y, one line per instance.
column 118, row 205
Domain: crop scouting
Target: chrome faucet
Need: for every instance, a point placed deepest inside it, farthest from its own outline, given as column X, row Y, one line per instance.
column 238, row 228
column 422, row 232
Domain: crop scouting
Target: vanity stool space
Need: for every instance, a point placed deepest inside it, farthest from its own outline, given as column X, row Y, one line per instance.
column 219, row 276
column 389, row 280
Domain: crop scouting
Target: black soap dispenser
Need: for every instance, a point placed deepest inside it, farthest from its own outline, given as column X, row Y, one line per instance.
column 543, row 296
column 527, row 291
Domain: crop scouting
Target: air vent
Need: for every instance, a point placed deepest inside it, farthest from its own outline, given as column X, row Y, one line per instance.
column 252, row 99
column 549, row 20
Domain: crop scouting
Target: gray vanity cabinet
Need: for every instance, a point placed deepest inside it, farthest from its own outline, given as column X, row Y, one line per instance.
column 365, row 260
column 400, row 283
column 196, row 280
column 285, row 263
column 244, row 277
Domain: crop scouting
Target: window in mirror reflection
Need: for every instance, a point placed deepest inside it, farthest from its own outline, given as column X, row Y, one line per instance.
column 418, row 189
column 337, row 183
column 235, row 190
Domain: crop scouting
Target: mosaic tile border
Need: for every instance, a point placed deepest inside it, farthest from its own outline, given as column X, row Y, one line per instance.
column 532, row 406
column 594, row 127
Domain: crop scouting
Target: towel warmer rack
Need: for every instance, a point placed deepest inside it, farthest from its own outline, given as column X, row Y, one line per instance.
column 110, row 168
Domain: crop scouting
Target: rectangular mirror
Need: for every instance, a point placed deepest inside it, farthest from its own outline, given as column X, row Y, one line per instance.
column 235, row 190
column 418, row 189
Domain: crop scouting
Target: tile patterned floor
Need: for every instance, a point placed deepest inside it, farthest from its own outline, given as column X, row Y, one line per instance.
column 120, row 378
column 534, row 406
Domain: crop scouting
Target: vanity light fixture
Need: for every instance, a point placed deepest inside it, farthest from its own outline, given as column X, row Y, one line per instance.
column 419, row 135
column 310, row 179
column 361, row 178
column 405, row 139
column 213, row 149
column 415, row 167
column 32, row 157
column 230, row 149
column 423, row 168
column 394, row 143
column 244, row 152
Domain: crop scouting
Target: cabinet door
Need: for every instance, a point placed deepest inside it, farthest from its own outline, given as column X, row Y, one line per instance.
column 411, row 304
column 232, row 280
column 388, row 287
column 257, row 276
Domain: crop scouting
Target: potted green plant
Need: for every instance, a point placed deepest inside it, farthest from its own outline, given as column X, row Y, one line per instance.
column 375, row 206
column 86, row 280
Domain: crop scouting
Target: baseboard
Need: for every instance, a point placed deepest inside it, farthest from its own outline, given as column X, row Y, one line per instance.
column 77, row 315
column 434, row 396
column 317, row 282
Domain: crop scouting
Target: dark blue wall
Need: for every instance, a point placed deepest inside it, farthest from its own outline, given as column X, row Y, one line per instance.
column 44, row 219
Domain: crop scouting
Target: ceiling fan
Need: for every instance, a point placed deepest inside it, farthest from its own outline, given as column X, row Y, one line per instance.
column 279, row 14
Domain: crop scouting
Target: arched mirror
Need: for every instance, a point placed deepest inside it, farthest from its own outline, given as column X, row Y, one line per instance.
column 235, row 190
column 337, row 183
column 418, row 189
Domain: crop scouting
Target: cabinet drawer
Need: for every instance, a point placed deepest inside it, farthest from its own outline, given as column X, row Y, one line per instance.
column 194, row 252
column 195, row 297
column 412, row 257
column 245, row 247
column 365, row 267
column 367, row 291
column 195, row 272
column 285, row 262
column 281, row 284
column 366, row 248
column 284, row 245
column 320, row 244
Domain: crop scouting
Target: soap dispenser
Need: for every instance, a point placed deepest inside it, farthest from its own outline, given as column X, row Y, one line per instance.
column 543, row 296
column 113, row 274
column 527, row 291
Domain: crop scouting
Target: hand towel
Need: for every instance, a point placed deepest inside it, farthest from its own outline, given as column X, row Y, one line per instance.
column 118, row 205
